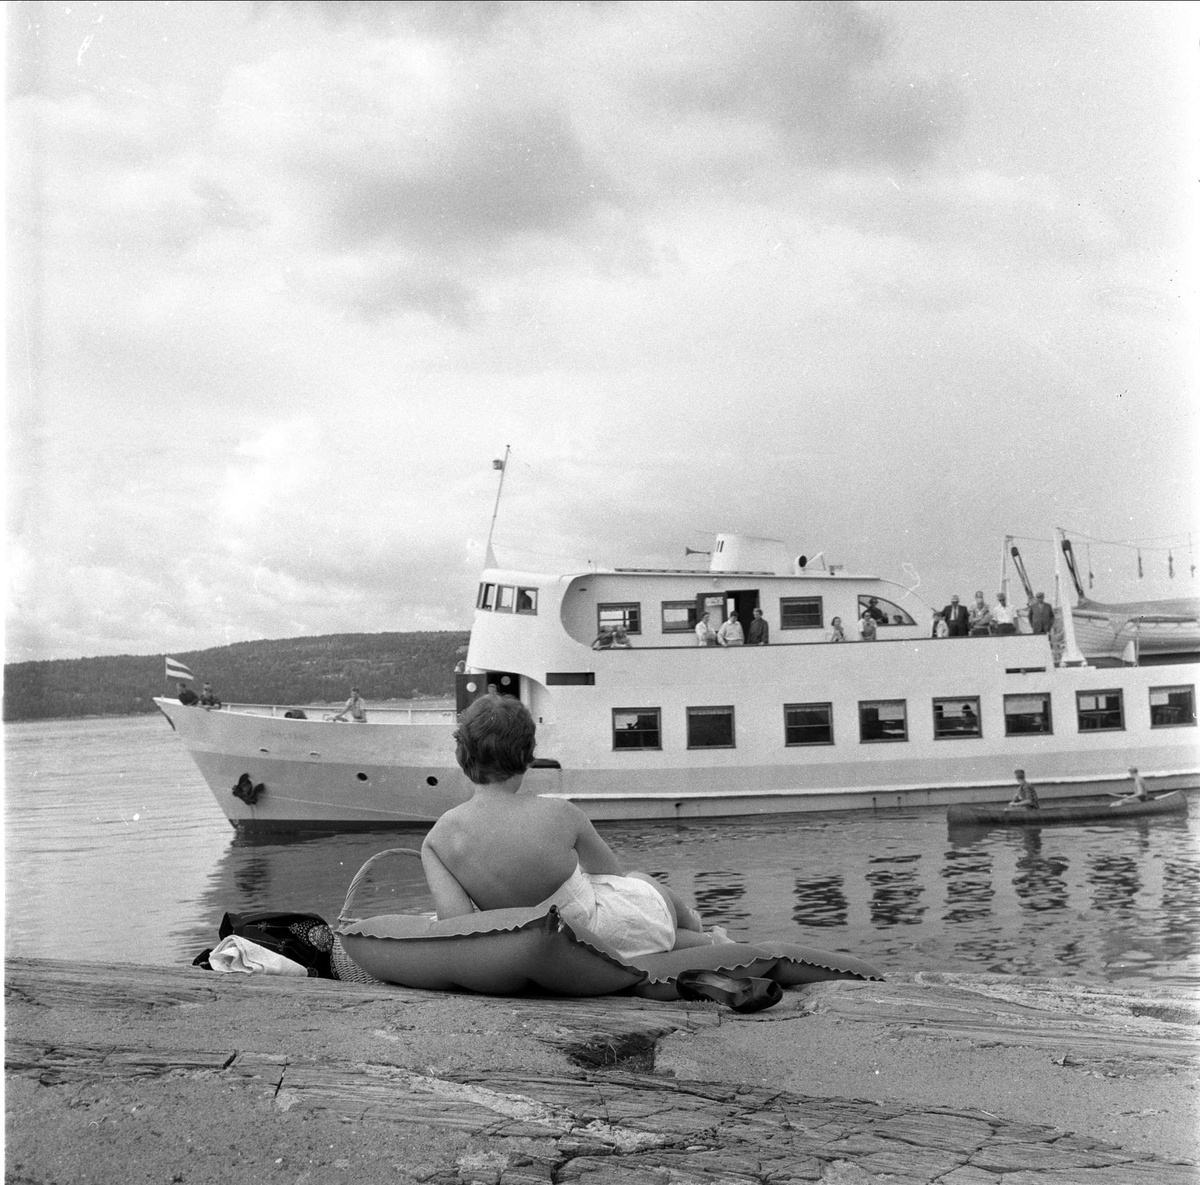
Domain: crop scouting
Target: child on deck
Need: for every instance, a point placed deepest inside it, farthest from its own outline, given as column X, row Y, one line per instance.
column 500, row 849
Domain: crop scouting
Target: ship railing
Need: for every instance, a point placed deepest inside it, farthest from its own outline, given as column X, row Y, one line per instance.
column 391, row 714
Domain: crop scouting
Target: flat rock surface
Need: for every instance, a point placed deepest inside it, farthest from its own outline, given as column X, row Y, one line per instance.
column 121, row 1073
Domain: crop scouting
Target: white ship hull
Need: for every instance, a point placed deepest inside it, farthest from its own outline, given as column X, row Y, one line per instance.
column 398, row 769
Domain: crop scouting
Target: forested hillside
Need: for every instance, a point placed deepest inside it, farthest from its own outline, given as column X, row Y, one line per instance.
column 300, row 670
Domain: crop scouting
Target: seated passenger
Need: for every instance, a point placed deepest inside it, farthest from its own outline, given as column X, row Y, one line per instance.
column 208, row 698
column 730, row 633
column 866, row 626
column 836, row 633
column 705, row 634
column 186, row 695
column 500, row 850
column 1026, row 797
column 604, row 639
column 620, row 639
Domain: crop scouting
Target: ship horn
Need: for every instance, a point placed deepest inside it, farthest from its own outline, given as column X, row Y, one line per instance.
column 694, row 551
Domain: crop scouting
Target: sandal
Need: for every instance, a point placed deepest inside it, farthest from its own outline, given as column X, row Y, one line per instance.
column 740, row 994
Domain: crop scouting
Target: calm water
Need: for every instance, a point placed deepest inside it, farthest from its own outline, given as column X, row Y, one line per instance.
column 116, row 851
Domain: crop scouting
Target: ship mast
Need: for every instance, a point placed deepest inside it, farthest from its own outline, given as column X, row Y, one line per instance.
column 489, row 556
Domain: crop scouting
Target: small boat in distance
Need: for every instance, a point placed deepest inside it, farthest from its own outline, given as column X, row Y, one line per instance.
column 639, row 718
column 1105, row 810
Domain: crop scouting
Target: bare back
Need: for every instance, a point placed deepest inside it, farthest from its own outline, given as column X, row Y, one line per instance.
column 507, row 850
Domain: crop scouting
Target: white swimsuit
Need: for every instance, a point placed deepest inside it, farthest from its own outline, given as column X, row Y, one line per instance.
column 624, row 912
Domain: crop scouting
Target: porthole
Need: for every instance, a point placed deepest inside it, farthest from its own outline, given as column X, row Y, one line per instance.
column 431, row 780
column 362, row 777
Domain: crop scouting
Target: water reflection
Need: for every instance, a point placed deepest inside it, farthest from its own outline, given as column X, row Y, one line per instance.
column 1039, row 882
column 820, row 901
column 895, row 891
column 720, row 896
column 969, row 892
column 1115, row 882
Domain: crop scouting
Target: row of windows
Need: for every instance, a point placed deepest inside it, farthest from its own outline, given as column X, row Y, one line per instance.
column 887, row 720
column 507, row 598
column 795, row 613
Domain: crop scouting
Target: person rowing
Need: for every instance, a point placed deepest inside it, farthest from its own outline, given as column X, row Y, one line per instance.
column 1139, row 793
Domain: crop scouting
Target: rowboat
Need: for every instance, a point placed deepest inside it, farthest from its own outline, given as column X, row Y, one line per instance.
column 1105, row 810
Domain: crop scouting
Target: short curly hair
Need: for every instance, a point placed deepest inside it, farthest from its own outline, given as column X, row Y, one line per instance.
column 494, row 739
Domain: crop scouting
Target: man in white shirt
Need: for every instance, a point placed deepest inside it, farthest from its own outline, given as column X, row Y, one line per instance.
column 730, row 633
column 1002, row 616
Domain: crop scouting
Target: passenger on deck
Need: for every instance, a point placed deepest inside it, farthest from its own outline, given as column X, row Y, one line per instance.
column 730, row 633
column 354, row 708
column 957, row 619
column 980, row 617
column 759, row 633
column 1003, row 620
column 604, row 639
column 836, row 632
column 621, row 639
column 866, row 626
column 501, row 850
column 705, row 634
column 186, row 695
column 1139, row 793
column 875, row 612
column 939, row 628
column 1041, row 615
column 1026, row 797
column 207, row 697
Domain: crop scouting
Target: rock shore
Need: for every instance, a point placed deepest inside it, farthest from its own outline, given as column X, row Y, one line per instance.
column 131, row 1074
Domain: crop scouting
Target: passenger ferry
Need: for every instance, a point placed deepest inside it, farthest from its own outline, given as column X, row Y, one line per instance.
column 667, row 728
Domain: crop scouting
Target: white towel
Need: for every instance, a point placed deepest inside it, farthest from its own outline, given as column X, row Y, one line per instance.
column 240, row 954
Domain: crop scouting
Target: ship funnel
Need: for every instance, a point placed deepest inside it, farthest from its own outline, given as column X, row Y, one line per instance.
column 749, row 553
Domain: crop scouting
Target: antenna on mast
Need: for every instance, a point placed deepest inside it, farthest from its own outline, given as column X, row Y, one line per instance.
column 489, row 556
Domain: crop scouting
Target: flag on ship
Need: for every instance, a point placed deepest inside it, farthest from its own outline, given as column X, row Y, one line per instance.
column 176, row 670
column 497, row 464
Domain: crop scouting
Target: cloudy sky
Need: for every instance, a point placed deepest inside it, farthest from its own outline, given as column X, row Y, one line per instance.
column 886, row 281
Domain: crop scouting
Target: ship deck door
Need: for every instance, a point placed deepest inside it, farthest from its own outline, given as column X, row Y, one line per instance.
column 712, row 603
column 743, row 602
column 468, row 688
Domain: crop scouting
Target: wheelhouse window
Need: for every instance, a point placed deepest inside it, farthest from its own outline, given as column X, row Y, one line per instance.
column 487, row 597
column 1027, row 714
column 527, row 600
column 1100, row 711
column 956, row 718
column 801, row 613
column 637, row 728
column 506, row 597
column 1172, row 707
column 882, row 720
column 678, row 617
column 808, row 724
column 884, row 612
column 627, row 615
column 710, row 728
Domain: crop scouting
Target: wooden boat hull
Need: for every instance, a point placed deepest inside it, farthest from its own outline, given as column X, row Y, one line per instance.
column 1109, row 810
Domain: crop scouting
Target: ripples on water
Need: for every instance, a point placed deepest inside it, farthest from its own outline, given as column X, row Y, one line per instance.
column 116, row 851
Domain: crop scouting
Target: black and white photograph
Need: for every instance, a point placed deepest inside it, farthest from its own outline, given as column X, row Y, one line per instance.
column 646, row 549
